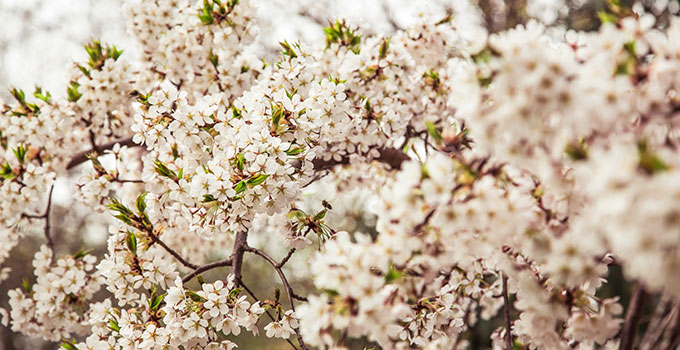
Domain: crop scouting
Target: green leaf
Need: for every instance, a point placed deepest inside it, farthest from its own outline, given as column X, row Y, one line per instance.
column 287, row 49
column 68, row 345
column 131, row 242
column 483, row 56
column 163, row 170
column 18, row 95
column 433, row 131
column 240, row 187
column 81, row 253
column 432, row 79
column 113, row 325
column 26, row 285
column 320, row 215
column 234, row 293
column 20, row 153
column 330, row 292
column 340, row 33
column 298, row 214
column 393, row 274
column 239, row 161
column 256, row 180
column 47, row 97
column 6, row 172
column 141, row 204
column 384, row 47
column 194, row 296
column 205, row 13
column 72, row 92
column 156, row 301
column 606, row 17
column 277, row 114
column 294, row 151
column 650, row 162
column 116, row 205
column 577, row 150
column 213, row 58
column 84, row 70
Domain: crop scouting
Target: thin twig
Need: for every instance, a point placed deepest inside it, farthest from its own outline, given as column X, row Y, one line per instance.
column 630, row 323
column 46, row 216
column 206, row 267
column 656, row 326
column 506, row 313
column 286, row 285
column 82, row 156
column 286, row 258
column 266, row 311
column 179, row 258
column 236, row 257
column 48, row 236
column 134, row 181
column 390, row 156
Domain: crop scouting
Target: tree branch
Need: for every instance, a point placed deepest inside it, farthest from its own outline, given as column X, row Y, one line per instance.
column 267, row 311
column 206, row 267
column 82, row 156
column 48, row 236
column 284, row 280
column 390, row 156
column 46, row 216
column 179, row 258
column 286, row 258
column 630, row 323
column 506, row 313
column 240, row 243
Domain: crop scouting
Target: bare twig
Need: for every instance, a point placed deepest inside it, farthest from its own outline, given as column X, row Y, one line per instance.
column 134, row 181
column 630, row 323
column 671, row 326
column 240, row 243
column 267, row 311
column 82, row 156
column 390, row 156
column 286, row 258
column 656, row 325
column 206, row 267
column 286, row 285
column 179, row 258
column 506, row 313
column 46, row 216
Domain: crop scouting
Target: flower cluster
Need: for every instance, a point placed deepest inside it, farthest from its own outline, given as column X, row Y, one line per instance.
column 57, row 304
column 463, row 174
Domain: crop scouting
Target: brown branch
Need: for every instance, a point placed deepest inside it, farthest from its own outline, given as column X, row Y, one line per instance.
column 206, row 267
column 656, row 325
column 630, row 323
column 267, row 311
column 46, row 216
column 48, row 236
column 286, row 285
column 82, row 156
column 506, row 313
column 179, row 258
column 240, row 243
column 671, row 326
column 286, row 258
column 390, row 156
column 132, row 181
